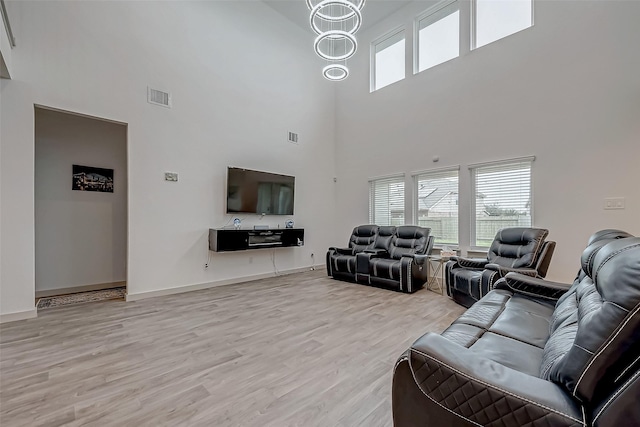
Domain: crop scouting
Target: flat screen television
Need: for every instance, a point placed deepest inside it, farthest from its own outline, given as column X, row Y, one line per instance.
column 262, row 193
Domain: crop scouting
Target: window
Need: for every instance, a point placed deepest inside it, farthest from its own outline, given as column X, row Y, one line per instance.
column 387, row 62
column 495, row 19
column 502, row 198
column 386, row 201
column 437, row 204
column 437, row 35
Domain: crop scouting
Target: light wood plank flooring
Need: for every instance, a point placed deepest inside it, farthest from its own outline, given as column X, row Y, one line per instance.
column 295, row 350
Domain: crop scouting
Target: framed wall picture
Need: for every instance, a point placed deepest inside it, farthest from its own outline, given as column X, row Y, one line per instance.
column 87, row 178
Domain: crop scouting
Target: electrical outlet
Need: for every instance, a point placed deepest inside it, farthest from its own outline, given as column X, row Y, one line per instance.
column 171, row 176
column 250, row 260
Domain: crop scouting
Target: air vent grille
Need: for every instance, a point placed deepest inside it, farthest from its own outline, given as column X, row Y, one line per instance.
column 158, row 97
column 293, row 137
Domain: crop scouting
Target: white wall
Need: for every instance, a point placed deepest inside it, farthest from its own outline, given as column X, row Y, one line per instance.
column 565, row 90
column 241, row 76
column 81, row 236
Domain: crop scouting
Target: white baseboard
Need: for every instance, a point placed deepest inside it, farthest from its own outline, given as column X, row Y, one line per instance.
column 207, row 285
column 84, row 288
column 20, row 315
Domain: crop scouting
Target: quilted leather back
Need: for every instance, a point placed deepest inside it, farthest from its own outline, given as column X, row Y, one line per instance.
column 363, row 237
column 409, row 240
column 596, row 325
column 517, row 247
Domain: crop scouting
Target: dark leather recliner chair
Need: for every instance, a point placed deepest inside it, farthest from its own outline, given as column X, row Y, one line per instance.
column 534, row 352
column 341, row 262
column 518, row 249
column 397, row 260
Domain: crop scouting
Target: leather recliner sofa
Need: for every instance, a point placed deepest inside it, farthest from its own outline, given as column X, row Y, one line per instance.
column 395, row 257
column 534, row 352
column 341, row 262
column 519, row 249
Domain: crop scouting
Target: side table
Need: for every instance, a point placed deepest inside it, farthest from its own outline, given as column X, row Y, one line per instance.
column 435, row 272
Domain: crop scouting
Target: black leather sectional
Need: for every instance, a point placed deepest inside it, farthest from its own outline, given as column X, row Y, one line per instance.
column 535, row 353
column 387, row 256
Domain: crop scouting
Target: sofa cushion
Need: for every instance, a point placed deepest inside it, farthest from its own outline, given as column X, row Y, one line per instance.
column 504, row 327
column 362, row 238
column 384, row 237
column 517, row 247
column 509, row 352
column 344, row 263
column 606, row 326
column 409, row 240
column 385, row 268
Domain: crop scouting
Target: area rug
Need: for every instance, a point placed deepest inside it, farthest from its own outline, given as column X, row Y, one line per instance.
column 82, row 297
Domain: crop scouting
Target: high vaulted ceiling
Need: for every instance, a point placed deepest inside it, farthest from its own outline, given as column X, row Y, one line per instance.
column 373, row 12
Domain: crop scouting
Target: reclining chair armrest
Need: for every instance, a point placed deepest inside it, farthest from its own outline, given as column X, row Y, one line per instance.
column 532, row 286
column 342, row 251
column 441, row 366
column 476, row 263
column 418, row 259
column 378, row 252
column 503, row 271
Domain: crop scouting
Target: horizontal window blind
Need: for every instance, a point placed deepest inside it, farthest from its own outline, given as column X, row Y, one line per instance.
column 437, row 204
column 502, row 199
column 386, row 201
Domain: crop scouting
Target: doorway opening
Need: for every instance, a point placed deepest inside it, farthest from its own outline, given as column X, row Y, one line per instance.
column 81, row 197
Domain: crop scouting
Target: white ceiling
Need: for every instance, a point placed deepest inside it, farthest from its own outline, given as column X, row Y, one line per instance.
column 373, row 12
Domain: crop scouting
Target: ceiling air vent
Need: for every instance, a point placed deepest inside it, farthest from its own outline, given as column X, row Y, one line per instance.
column 159, row 97
column 293, row 137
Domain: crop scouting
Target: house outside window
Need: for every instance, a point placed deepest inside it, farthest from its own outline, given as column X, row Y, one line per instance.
column 436, row 204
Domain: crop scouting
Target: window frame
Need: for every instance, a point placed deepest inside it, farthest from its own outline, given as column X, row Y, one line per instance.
column 473, row 247
column 474, row 25
column 399, row 177
column 415, row 176
column 372, row 55
column 416, row 32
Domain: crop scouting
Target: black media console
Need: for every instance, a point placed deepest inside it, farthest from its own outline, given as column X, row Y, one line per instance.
column 224, row 240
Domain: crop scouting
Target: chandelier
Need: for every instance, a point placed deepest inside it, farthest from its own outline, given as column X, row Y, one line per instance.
column 335, row 22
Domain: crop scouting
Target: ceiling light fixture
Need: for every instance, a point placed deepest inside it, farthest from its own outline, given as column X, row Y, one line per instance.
column 355, row 13
column 335, row 72
column 359, row 5
column 336, row 35
column 335, row 22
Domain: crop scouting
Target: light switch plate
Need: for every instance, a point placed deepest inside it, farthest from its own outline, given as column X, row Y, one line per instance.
column 171, row 176
column 614, row 203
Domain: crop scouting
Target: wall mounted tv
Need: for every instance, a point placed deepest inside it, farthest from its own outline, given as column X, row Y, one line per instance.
column 250, row 191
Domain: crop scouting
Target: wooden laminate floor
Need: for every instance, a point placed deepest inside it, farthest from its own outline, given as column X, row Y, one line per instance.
column 295, row 350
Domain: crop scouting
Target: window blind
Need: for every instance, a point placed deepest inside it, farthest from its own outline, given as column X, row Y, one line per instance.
column 436, row 204
column 386, row 201
column 502, row 199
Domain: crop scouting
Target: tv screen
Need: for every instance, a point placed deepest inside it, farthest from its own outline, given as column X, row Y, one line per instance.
column 250, row 191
